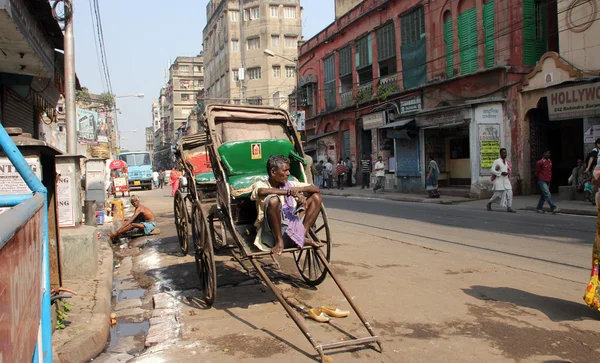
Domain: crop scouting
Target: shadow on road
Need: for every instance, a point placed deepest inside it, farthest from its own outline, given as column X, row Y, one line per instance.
column 557, row 310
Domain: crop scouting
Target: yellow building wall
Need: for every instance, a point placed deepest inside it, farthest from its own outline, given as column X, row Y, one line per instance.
column 579, row 37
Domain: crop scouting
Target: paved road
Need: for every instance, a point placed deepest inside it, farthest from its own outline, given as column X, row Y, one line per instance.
column 451, row 281
column 556, row 245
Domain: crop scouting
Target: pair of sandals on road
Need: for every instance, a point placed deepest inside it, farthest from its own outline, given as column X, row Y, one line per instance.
column 325, row 312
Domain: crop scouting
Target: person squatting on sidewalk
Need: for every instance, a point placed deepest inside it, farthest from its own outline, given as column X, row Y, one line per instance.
column 543, row 172
column 501, row 173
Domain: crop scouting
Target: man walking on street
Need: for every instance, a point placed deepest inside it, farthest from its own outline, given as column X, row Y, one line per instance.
column 328, row 173
column 543, row 172
column 161, row 178
column 319, row 173
column 379, row 174
column 349, row 167
column 501, row 172
column 365, row 168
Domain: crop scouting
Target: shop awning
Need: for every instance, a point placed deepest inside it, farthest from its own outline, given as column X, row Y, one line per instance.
column 400, row 123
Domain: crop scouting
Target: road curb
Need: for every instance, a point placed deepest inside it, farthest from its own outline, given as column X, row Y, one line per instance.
column 579, row 212
column 90, row 337
column 398, row 198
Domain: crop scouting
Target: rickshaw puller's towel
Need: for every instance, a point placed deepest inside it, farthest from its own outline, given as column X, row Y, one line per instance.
column 295, row 229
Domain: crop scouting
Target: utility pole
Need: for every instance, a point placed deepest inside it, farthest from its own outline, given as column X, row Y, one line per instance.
column 242, row 70
column 70, row 96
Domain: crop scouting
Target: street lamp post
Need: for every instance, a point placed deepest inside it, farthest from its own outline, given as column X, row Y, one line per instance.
column 270, row 53
column 138, row 95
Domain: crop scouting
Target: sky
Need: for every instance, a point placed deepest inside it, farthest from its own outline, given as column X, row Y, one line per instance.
column 141, row 36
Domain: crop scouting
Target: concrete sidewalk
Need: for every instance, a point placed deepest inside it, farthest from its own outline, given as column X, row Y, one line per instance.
column 523, row 202
column 88, row 324
column 356, row 192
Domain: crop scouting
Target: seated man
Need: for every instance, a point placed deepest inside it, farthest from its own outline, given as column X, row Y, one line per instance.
column 291, row 208
column 142, row 219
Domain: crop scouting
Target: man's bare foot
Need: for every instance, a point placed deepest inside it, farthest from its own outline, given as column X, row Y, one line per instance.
column 278, row 249
column 310, row 242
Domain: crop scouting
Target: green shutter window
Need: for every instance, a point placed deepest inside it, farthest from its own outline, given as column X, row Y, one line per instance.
column 329, row 80
column 467, row 35
column 449, row 47
column 488, row 25
column 364, row 54
column 534, row 31
column 386, row 42
column 345, row 61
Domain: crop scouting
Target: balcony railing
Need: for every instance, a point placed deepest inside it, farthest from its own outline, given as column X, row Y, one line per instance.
column 364, row 92
column 388, row 81
column 347, row 98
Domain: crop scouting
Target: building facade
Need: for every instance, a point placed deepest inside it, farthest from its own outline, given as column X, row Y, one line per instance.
column 410, row 80
column 559, row 101
column 186, row 78
column 150, row 139
column 237, row 68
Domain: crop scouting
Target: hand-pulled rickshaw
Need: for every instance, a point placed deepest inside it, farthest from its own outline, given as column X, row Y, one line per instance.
column 193, row 159
column 239, row 140
column 118, row 178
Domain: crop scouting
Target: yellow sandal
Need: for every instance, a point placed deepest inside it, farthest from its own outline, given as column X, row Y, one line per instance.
column 334, row 312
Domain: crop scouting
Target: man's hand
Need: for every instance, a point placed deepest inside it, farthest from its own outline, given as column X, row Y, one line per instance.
column 278, row 249
column 294, row 191
column 301, row 200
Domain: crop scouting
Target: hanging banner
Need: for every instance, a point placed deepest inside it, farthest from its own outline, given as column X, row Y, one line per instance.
column 87, row 124
column 11, row 181
column 66, row 214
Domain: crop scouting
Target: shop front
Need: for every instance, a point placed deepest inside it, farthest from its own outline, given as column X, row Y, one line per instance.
column 560, row 111
column 375, row 141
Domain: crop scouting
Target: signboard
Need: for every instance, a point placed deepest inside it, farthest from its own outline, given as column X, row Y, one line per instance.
column 574, row 102
column 373, row 120
column 20, row 292
column 66, row 214
column 300, row 118
column 10, row 179
column 591, row 134
column 86, row 124
column 489, row 145
column 441, row 118
column 411, row 104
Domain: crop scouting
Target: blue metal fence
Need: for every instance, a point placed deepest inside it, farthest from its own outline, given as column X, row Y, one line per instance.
column 14, row 220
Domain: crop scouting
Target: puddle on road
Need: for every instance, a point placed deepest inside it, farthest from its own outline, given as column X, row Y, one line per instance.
column 121, row 330
column 122, row 295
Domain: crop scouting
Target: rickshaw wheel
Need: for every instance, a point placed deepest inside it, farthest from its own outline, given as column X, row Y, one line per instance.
column 308, row 263
column 181, row 221
column 203, row 254
column 217, row 232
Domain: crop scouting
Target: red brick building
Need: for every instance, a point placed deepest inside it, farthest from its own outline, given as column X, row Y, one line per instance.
column 410, row 79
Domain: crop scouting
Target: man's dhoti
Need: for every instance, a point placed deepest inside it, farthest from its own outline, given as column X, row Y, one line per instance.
column 502, row 197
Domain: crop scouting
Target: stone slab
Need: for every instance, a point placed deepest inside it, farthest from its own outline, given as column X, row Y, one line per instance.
column 128, row 304
column 78, row 252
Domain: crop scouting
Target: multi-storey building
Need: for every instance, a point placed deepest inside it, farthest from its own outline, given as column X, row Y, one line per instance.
column 150, row 139
column 237, row 68
column 186, row 78
column 155, row 114
column 410, row 80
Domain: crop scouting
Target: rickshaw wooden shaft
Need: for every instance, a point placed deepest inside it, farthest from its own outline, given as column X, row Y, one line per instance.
column 319, row 347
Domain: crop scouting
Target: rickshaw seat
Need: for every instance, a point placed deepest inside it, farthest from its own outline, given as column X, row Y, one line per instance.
column 206, row 177
column 243, row 168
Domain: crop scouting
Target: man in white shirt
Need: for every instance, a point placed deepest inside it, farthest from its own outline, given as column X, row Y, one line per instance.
column 379, row 174
column 501, row 172
column 155, row 178
column 329, row 173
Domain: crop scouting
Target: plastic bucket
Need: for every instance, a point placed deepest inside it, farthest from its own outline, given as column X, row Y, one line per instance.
column 100, row 217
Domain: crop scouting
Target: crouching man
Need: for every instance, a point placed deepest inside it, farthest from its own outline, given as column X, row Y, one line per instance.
column 286, row 209
column 142, row 219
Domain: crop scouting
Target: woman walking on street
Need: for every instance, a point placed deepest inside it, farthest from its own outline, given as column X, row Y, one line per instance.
column 592, row 292
column 432, row 178
column 174, row 181
column 340, row 170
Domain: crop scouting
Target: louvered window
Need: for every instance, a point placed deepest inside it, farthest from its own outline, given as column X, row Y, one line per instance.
column 449, row 47
column 413, row 26
column 364, row 53
column 488, row 26
column 386, row 42
column 329, row 79
column 467, row 35
column 345, row 61
column 534, row 31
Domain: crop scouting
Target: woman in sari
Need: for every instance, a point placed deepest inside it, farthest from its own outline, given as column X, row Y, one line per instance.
column 592, row 292
column 174, row 181
column 431, row 183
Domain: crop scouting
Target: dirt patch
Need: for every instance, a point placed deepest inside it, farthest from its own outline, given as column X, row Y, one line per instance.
column 256, row 347
column 392, row 265
column 343, row 271
column 345, row 263
column 463, row 271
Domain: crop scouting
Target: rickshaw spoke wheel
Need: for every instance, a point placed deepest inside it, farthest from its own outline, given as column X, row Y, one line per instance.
column 308, row 263
column 181, row 221
column 203, row 254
